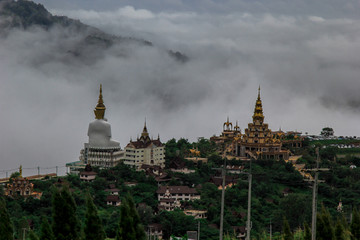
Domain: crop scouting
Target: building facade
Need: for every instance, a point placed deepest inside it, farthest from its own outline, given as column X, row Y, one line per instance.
column 169, row 197
column 21, row 186
column 145, row 151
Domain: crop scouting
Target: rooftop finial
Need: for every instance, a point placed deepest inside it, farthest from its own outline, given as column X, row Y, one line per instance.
column 259, row 92
column 145, row 134
column 20, row 171
column 145, row 128
column 100, row 107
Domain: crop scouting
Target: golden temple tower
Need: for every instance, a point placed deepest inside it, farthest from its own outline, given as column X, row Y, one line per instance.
column 258, row 111
column 258, row 140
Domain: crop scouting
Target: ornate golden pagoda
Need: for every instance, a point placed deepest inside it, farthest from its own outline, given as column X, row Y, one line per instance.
column 258, row 140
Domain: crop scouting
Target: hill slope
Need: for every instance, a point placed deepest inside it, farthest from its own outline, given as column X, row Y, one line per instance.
column 26, row 15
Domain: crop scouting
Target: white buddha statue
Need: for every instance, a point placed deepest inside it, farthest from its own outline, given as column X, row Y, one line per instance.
column 99, row 131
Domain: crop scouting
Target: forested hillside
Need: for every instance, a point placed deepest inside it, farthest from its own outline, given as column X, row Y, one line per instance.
column 279, row 193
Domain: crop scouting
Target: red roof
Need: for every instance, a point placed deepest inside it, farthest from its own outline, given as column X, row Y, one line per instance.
column 228, row 180
column 88, row 173
column 112, row 198
column 167, row 200
column 155, row 226
column 140, row 144
column 112, row 190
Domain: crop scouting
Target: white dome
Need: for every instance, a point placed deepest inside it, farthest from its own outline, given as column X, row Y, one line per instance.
column 100, row 134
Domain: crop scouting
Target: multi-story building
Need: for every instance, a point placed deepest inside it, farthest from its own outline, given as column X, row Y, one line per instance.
column 145, row 151
column 155, row 231
column 101, row 150
column 87, row 175
column 169, row 197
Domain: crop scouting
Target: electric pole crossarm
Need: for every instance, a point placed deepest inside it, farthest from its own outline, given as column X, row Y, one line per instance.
column 317, row 170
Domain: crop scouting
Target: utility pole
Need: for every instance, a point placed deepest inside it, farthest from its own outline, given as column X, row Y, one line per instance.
column 315, row 192
column 24, row 229
column 314, row 202
column 38, row 171
column 248, row 223
column 223, row 174
column 57, row 170
column 198, row 236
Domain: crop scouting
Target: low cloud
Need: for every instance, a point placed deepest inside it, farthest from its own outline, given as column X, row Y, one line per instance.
column 307, row 66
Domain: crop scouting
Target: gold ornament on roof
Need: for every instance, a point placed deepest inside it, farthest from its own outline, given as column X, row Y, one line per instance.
column 100, row 107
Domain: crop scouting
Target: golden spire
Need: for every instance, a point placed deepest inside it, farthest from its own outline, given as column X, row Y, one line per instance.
column 100, row 107
column 237, row 126
column 145, row 135
column 20, row 171
column 258, row 111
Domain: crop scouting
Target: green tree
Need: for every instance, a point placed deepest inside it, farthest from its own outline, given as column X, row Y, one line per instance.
column 324, row 227
column 14, row 175
column 65, row 223
column 6, row 228
column 46, row 232
column 339, row 231
column 355, row 225
column 130, row 227
column 32, row 236
column 287, row 231
column 93, row 226
column 145, row 214
column 307, row 230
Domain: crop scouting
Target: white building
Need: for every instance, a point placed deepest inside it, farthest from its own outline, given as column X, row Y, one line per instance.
column 145, row 151
column 101, row 150
column 169, row 197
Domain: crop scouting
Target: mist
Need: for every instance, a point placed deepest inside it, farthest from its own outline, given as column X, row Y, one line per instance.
column 308, row 68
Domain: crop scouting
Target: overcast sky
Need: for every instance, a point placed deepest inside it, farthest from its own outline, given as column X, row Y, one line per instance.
column 304, row 54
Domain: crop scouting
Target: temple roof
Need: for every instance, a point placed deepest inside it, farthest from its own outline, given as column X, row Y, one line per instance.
column 144, row 141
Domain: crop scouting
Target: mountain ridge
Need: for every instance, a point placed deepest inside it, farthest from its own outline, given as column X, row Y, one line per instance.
column 24, row 15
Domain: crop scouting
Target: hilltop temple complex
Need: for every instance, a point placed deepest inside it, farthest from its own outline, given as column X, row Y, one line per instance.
column 257, row 141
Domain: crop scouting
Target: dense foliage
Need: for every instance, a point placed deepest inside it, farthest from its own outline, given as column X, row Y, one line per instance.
column 278, row 192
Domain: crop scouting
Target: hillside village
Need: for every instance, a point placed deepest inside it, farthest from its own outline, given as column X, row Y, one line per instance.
column 176, row 186
column 243, row 182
